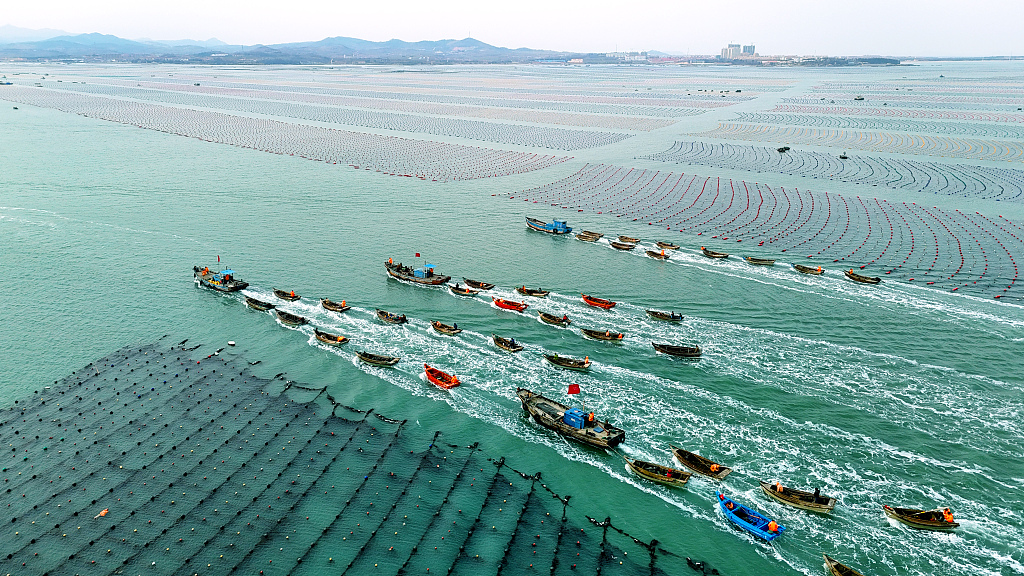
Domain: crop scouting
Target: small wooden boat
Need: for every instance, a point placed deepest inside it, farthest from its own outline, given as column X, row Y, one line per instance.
column 290, row 296
column 748, row 520
column 510, row 304
column 334, row 306
column 602, row 335
column 759, row 261
column 667, row 245
column 569, row 363
column 667, row 316
column 809, row 270
column 570, row 422
column 657, row 255
column 622, row 246
column 837, row 569
column 440, row 378
column 538, row 293
column 555, row 227
column 587, row 237
column 598, row 302
column 507, row 344
column 556, row 320
column 594, row 234
column 460, row 291
column 713, row 254
column 445, row 329
column 477, row 284
column 424, row 275
column 799, row 498
column 329, row 339
column 390, row 317
column 377, row 359
column 700, row 464
column 290, row 319
column 921, row 519
column 861, row 278
column 681, row 351
column 258, row 304
column 657, row 473
column 223, row 281
column 629, row 240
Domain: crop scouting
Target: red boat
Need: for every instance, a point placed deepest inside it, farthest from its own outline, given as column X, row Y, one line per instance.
column 598, row 302
column 441, row 379
column 509, row 304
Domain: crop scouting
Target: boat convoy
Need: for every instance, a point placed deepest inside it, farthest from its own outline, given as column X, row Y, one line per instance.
column 574, row 422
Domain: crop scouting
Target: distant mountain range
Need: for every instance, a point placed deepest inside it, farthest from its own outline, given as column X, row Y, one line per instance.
column 25, row 44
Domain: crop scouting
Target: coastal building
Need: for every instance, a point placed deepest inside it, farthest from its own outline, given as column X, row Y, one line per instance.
column 748, row 50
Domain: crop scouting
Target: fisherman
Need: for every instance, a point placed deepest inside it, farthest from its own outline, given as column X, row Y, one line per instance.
column 455, row 325
column 715, row 467
column 390, row 261
column 565, row 317
column 607, row 332
column 817, row 492
column 773, row 526
column 819, row 268
column 342, row 302
column 513, row 341
column 586, row 359
column 947, row 515
column 293, row 294
column 778, row 487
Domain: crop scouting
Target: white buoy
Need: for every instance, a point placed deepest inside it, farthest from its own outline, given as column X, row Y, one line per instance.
column 231, row 342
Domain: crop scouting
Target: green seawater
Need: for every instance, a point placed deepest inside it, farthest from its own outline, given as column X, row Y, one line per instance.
column 879, row 395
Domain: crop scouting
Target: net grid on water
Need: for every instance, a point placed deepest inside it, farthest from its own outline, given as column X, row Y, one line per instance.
column 151, row 461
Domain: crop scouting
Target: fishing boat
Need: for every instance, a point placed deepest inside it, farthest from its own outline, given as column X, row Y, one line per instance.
column 460, row 291
column 798, row 498
column 759, row 261
column 390, row 317
column 510, row 304
column 843, row 156
column 808, row 269
column 629, row 240
column 748, row 520
column 921, row 519
column 584, row 237
column 440, row 378
column 713, row 254
column 424, row 275
column 328, row 338
column 621, row 245
column 657, row 255
column 861, row 278
column 223, row 281
column 665, row 475
column 594, row 234
column 556, row 320
column 538, row 293
column 835, row 568
column 667, row 316
column 667, row 245
column 569, row 363
column 598, row 302
column 377, row 359
column 681, row 351
column 290, row 319
column 556, row 226
column 858, row 98
column 333, row 306
column 570, row 422
column 477, row 284
column 286, row 295
column 258, row 304
column 507, row 344
column 444, row 328
column 700, row 464
column 607, row 335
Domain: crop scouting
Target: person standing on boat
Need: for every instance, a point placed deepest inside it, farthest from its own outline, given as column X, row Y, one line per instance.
column 947, row 515
column 773, row 526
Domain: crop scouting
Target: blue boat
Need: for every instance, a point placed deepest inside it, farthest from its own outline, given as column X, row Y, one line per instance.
column 556, row 226
column 748, row 520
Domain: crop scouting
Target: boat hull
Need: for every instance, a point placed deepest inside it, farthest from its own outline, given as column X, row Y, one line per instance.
column 747, row 519
column 902, row 515
column 377, row 359
column 510, row 305
column 568, row 363
column 698, row 464
column 713, row 254
column 799, row 499
column 553, row 320
column 214, row 281
column 666, row 316
column 431, row 281
column 808, row 270
column 552, row 228
column 657, row 473
column 439, row 378
column 598, row 302
column 861, row 278
column 836, row 568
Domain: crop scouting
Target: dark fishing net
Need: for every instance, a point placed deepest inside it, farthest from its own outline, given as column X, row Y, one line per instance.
column 159, row 460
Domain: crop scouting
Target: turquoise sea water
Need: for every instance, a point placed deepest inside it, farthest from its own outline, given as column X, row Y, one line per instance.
column 892, row 394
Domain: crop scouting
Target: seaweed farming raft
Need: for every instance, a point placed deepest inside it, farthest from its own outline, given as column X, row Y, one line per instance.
column 160, row 459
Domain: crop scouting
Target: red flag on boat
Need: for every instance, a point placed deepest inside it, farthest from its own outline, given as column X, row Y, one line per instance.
column 218, row 259
column 417, row 254
column 574, row 388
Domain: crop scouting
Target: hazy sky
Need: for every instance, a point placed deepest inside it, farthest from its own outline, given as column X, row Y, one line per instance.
column 836, row 27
